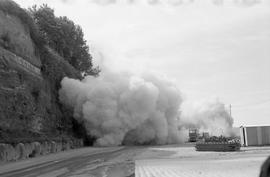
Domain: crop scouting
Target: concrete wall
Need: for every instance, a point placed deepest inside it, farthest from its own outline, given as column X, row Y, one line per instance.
column 255, row 136
column 252, row 137
column 266, row 135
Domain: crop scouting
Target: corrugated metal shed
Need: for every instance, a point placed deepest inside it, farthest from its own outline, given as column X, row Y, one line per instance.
column 255, row 135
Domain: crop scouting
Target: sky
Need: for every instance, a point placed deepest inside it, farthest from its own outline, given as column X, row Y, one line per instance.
column 211, row 50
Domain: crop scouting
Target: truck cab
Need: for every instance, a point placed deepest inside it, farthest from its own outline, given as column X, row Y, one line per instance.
column 193, row 135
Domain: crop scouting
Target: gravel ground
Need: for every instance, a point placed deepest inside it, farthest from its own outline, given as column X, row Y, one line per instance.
column 186, row 162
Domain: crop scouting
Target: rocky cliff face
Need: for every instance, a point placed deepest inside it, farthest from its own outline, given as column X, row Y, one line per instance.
column 15, row 36
column 29, row 83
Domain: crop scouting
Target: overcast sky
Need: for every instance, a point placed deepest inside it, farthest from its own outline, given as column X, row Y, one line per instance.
column 211, row 51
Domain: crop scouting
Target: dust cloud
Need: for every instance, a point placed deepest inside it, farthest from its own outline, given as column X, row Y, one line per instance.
column 207, row 116
column 122, row 108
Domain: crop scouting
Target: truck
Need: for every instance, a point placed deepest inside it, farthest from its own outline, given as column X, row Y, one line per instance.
column 193, row 135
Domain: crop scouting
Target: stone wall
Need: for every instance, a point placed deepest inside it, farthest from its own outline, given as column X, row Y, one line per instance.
column 21, row 151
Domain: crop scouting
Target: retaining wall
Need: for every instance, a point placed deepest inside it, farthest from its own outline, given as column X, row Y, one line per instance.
column 20, row 151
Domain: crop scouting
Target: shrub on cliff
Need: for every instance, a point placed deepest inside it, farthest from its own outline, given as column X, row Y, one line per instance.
column 65, row 37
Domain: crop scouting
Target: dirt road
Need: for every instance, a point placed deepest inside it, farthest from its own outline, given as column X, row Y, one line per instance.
column 111, row 162
column 151, row 161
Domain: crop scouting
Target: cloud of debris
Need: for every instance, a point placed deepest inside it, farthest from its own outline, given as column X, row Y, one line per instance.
column 121, row 108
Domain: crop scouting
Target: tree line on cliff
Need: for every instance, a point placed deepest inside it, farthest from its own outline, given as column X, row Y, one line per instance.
column 65, row 37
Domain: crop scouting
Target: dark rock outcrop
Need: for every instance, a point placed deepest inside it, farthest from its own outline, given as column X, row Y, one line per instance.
column 30, row 76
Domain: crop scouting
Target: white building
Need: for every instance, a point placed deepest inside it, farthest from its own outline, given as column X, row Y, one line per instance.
column 255, row 135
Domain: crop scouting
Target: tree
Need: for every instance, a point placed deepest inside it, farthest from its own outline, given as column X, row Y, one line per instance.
column 64, row 36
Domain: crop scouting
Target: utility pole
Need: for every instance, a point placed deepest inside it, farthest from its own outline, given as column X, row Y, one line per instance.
column 230, row 110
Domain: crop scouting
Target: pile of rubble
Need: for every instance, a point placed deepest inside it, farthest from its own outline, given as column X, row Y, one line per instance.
column 9, row 152
column 220, row 143
column 222, row 139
